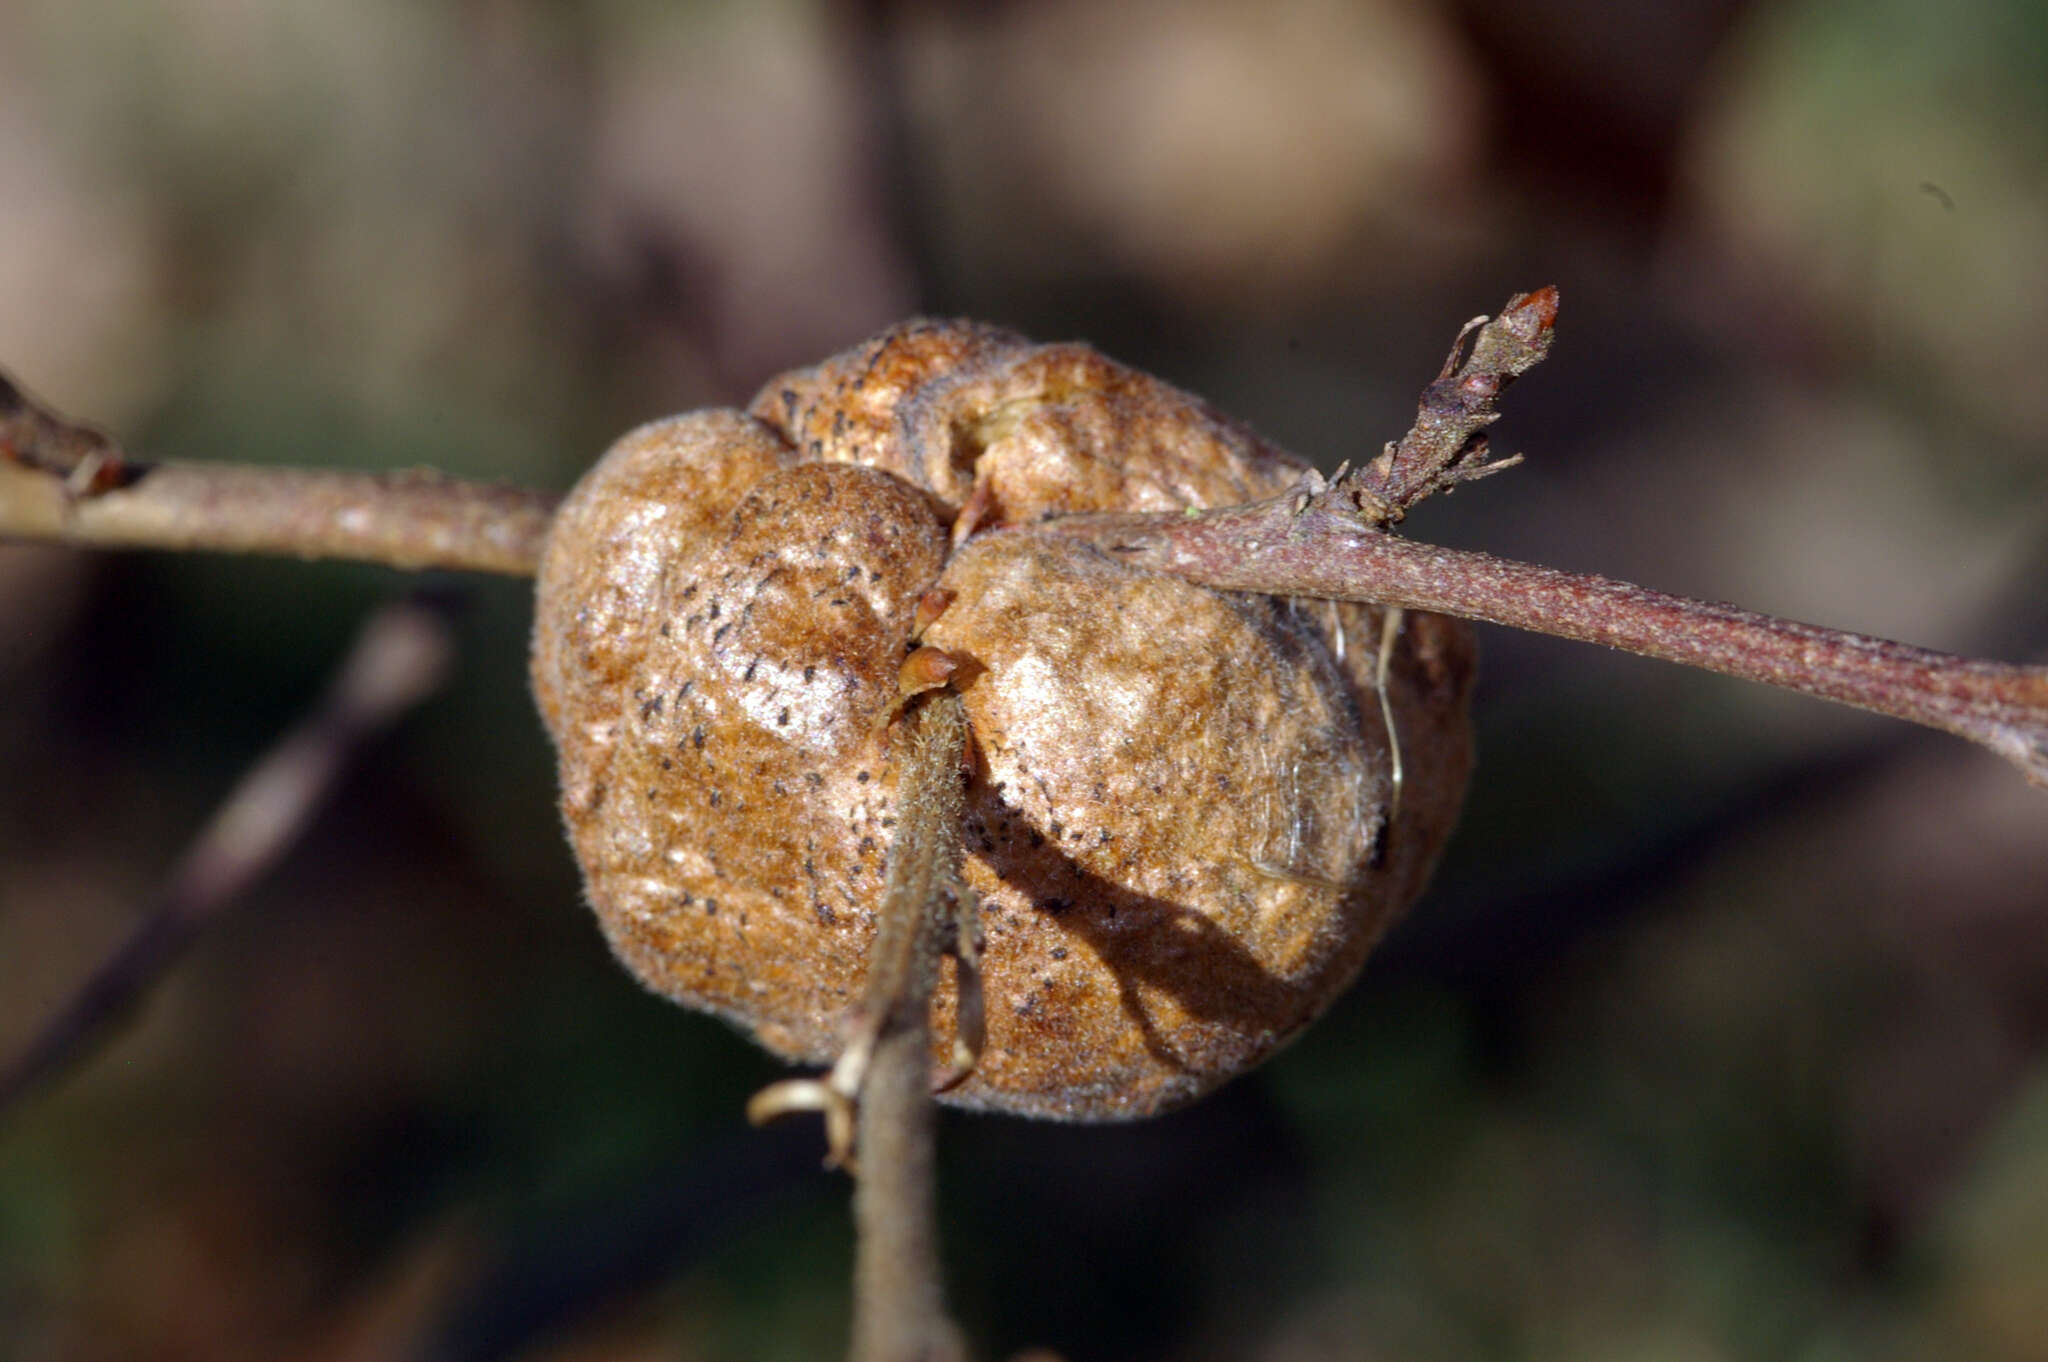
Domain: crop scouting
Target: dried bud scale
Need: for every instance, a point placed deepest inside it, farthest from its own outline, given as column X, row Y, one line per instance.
column 1180, row 825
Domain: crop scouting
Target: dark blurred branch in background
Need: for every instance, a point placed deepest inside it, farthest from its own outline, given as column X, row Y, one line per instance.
column 399, row 659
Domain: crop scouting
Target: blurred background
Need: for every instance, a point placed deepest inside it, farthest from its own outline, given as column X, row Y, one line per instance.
column 1721, row 1033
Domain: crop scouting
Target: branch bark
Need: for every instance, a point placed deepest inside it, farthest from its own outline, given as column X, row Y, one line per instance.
column 877, row 1098
column 67, row 482
column 1293, row 547
column 71, row 484
column 899, row 1308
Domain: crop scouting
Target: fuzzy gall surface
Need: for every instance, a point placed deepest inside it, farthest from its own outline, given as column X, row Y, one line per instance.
column 1180, row 822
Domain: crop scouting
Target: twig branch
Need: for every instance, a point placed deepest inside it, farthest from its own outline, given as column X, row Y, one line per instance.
column 1447, row 443
column 65, row 482
column 877, row 1098
column 1332, row 539
column 398, row 659
column 899, row 1307
column 1322, row 551
column 62, row 481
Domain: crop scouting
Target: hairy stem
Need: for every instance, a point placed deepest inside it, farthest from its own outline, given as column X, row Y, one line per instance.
column 414, row 519
column 1308, row 545
column 899, row 1309
column 69, row 483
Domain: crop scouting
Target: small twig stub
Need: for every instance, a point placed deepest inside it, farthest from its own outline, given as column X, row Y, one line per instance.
column 1447, row 443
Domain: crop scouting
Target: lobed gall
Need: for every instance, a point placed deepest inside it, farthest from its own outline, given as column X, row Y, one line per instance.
column 1181, row 824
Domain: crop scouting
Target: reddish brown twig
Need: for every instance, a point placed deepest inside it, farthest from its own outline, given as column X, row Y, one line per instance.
column 1327, row 552
column 397, row 661
column 1331, row 539
column 69, row 483
column 1447, row 443
column 59, row 480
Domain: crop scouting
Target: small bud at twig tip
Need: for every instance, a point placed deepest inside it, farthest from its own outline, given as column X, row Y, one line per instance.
column 1531, row 314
